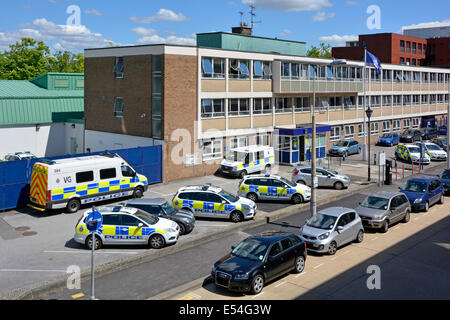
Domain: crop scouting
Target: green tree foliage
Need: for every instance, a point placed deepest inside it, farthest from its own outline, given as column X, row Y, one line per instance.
column 28, row 58
column 323, row 51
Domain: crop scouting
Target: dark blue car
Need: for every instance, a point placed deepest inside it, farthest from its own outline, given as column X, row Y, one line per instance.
column 422, row 193
column 388, row 139
column 445, row 179
column 442, row 130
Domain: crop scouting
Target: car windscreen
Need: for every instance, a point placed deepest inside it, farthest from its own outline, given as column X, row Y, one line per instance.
column 236, row 156
column 341, row 144
column 414, row 149
column 375, row 203
column 250, row 249
column 228, row 196
column 386, row 135
column 168, row 208
column 322, row 221
column 150, row 219
column 407, row 132
column 415, row 186
column 433, row 147
column 289, row 183
column 446, row 174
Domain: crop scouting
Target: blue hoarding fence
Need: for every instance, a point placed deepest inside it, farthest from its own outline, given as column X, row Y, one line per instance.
column 15, row 176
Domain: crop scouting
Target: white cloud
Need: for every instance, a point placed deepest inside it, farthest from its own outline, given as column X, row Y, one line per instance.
column 93, row 11
column 285, row 33
column 289, row 5
column 64, row 37
column 162, row 15
column 150, row 36
column 434, row 24
column 322, row 16
column 338, row 40
column 143, row 32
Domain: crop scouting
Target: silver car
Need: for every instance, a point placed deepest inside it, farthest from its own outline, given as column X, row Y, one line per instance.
column 325, row 177
column 332, row 228
column 383, row 209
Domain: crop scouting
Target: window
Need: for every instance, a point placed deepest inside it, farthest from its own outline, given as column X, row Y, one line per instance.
column 402, row 60
column 262, row 105
column 107, row 173
column 286, row 244
column 420, row 48
column 375, row 101
column 414, row 49
column 387, row 75
column 425, row 99
column 407, row 100
column 212, row 149
column 374, row 128
column 425, row 77
column 213, row 108
column 397, row 100
column 282, row 105
column 406, row 123
column 129, row 221
column 398, row 76
column 118, row 68
column 86, row 176
column 407, row 76
column 349, row 131
column 361, row 130
column 262, row 70
column 396, row 126
column 416, row 99
column 239, row 107
column 386, row 126
column 276, row 249
column 263, row 139
column 414, row 62
column 127, row 171
column 440, row 77
column 402, row 45
column 416, row 77
column 118, row 107
column 61, row 83
column 335, row 133
column 213, row 68
column 302, row 104
column 349, row 103
column 374, row 75
column 237, row 142
column 415, row 122
column 408, row 46
column 111, row 219
column 239, row 69
column 387, row 101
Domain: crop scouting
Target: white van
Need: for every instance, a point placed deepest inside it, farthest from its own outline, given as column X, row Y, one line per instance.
column 69, row 183
column 244, row 160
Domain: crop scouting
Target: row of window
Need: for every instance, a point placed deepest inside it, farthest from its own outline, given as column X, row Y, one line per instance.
column 416, row 47
column 105, row 174
column 212, row 148
column 238, row 69
column 348, row 131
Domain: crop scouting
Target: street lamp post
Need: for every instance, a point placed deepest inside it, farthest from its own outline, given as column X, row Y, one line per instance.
column 368, row 114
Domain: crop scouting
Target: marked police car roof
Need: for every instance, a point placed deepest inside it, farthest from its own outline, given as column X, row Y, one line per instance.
column 336, row 211
column 112, row 209
column 410, row 145
column 262, row 176
column 202, row 188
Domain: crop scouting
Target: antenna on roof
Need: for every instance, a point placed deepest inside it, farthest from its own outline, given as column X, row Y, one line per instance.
column 253, row 15
column 243, row 24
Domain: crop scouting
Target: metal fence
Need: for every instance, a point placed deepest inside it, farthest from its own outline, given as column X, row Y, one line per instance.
column 15, row 175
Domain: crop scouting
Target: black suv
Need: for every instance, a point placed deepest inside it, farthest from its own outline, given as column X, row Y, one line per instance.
column 258, row 260
column 160, row 207
column 411, row 135
column 429, row 133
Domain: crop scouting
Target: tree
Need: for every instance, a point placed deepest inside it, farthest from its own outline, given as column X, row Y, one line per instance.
column 65, row 61
column 323, row 51
column 24, row 60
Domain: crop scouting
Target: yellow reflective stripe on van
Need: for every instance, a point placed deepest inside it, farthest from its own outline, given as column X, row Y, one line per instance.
column 254, row 163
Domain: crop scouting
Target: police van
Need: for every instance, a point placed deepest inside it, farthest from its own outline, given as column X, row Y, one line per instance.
column 244, row 160
column 69, row 183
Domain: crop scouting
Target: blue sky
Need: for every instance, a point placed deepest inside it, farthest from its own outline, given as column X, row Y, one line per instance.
column 117, row 22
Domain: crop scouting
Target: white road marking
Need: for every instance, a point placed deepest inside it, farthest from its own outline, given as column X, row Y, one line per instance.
column 374, row 238
column 195, row 295
column 318, row 266
column 334, row 258
column 300, row 274
column 254, row 297
column 280, row 284
column 348, row 251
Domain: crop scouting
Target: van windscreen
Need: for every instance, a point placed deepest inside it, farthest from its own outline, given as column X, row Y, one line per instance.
column 236, row 156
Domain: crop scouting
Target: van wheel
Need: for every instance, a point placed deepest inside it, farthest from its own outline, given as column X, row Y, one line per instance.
column 138, row 192
column 236, row 216
column 73, row 205
column 297, row 199
column 242, row 174
column 98, row 242
column 252, row 196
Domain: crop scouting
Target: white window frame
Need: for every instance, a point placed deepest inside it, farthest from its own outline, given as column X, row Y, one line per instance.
column 213, row 113
column 239, row 112
column 264, row 138
column 216, row 149
column 374, row 128
column 361, row 130
column 262, row 110
column 406, row 123
column 240, row 75
column 396, row 125
column 386, row 126
column 118, row 68
column 349, row 131
column 213, row 74
column 333, row 135
column 238, row 142
column 415, row 123
column 118, row 113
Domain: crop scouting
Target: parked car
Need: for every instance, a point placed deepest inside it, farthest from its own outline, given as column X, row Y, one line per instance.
column 161, row 208
column 429, row 133
column 331, row 228
column 382, row 209
column 442, row 130
column 434, row 151
column 273, row 187
column 445, row 179
column 326, row 178
column 258, row 260
column 20, row 156
column 411, row 153
column 127, row 226
column 344, row 148
column 388, row 139
column 422, row 193
column 410, row 135
column 441, row 142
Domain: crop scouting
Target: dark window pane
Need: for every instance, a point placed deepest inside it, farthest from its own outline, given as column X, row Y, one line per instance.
column 108, row 173
column 85, row 176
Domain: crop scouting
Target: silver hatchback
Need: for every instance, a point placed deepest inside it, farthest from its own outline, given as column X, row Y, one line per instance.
column 332, row 228
column 325, row 177
column 383, row 209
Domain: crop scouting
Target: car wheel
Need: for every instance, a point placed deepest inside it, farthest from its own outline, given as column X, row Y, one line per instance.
column 257, row 284
column 427, row 206
column 338, row 185
column 407, row 217
column 236, row 217
column 385, row 226
column 242, row 174
column 138, row 192
column 98, row 242
column 182, row 228
column 73, row 205
column 441, row 200
column 297, row 199
column 332, row 248
column 252, row 196
column 157, row 241
column 360, row 236
column 299, row 264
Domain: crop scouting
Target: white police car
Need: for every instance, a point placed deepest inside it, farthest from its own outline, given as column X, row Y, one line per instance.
column 127, row 225
column 214, row 202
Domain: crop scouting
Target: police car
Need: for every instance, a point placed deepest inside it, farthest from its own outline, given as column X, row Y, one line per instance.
column 213, row 202
column 434, row 151
column 126, row 225
column 273, row 187
column 411, row 154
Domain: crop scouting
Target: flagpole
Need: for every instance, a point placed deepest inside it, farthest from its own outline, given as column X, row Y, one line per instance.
column 364, row 153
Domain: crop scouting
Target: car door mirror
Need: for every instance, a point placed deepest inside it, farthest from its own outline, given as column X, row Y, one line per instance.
column 232, row 248
column 140, row 225
column 339, row 228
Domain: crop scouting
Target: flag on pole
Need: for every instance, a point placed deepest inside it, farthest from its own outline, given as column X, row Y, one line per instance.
column 372, row 61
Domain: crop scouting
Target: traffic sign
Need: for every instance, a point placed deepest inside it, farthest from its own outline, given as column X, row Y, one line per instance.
column 94, row 221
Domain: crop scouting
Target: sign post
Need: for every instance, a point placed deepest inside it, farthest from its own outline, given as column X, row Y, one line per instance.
column 381, row 164
column 93, row 223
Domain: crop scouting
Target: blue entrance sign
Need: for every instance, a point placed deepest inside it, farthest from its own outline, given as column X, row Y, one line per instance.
column 94, row 221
